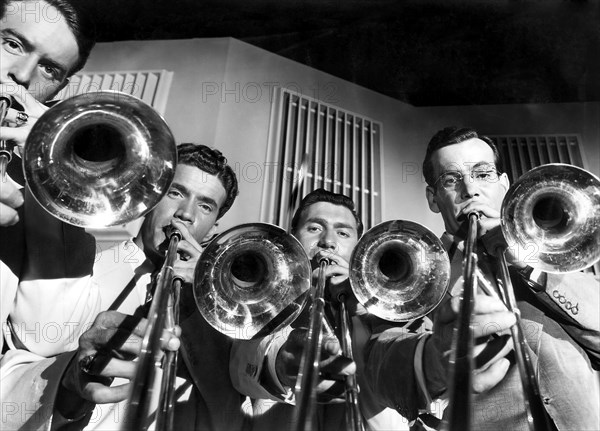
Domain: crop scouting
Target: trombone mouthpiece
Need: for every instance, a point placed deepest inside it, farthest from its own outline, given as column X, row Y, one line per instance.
column 327, row 260
column 463, row 217
column 171, row 231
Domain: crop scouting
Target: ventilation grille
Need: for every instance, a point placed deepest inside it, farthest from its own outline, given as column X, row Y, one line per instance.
column 152, row 86
column 315, row 145
column 522, row 153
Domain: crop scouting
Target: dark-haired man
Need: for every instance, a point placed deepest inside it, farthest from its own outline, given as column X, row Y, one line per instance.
column 43, row 43
column 327, row 225
column 98, row 374
column 559, row 311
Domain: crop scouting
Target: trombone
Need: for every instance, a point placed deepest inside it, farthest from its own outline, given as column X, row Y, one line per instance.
column 253, row 279
column 163, row 314
column 556, row 207
column 102, row 159
column 5, row 151
column 399, row 271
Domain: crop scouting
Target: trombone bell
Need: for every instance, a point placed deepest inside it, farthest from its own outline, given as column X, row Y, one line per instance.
column 399, row 270
column 99, row 159
column 551, row 218
column 252, row 280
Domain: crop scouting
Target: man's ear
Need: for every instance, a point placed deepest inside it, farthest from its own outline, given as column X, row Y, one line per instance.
column 431, row 199
column 504, row 181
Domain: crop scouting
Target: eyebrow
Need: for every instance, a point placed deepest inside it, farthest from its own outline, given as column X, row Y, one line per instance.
column 201, row 198
column 475, row 166
column 30, row 47
column 338, row 225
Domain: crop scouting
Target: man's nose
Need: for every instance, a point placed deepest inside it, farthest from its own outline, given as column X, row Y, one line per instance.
column 327, row 241
column 469, row 187
column 22, row 70
column 185, row 213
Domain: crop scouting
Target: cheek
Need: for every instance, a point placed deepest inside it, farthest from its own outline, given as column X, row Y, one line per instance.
column 41, row 90
column 307, row 243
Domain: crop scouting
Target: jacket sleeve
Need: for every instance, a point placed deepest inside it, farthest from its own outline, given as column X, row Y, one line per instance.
column 252, row 367
column 50, row 315
column 56, row 299
column 390, row 368
column 574, row 300
column 29, row 386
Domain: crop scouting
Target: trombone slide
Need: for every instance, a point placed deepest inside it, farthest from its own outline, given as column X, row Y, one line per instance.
column 142, row 392
column 308, row 375
column 353, row 415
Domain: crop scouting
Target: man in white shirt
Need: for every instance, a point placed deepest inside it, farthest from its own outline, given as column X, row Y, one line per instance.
column 88, row 388
column 41, row 258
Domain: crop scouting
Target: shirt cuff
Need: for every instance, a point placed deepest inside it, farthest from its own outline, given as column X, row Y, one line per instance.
column 269, row 376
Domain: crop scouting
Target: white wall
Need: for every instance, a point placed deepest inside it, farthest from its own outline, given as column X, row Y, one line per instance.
column 220, row 96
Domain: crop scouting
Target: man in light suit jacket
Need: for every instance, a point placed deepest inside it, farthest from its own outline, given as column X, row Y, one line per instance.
column 559, row 311
column 88, row 389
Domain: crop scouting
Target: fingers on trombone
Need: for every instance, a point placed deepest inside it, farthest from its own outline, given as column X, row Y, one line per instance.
column 488, row 304
column 101, row 394
column 11, row 195
column 491, row 351
column 330, row 346
column 16, row 134
column 330, row 390
column 15, row 117
column 336, row 367
column 492, row 375
column 106, row 365
column 136, row 327
column 186, row 251
column 170, row 341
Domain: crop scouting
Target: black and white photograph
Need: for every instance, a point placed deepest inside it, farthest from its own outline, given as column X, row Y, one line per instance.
column 307, row 215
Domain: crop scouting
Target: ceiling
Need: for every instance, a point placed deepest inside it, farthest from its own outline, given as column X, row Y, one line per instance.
column 423, row 52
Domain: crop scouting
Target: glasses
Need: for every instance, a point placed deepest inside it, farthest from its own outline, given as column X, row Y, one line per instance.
column 451, row 180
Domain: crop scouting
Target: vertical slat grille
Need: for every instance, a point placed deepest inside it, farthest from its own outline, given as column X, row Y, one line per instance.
column 152, row 86
column 340, row 151
column 522, row 153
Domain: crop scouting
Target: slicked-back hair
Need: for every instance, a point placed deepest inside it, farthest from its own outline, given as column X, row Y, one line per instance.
column 212, row 162
column 451, row 136
column 78, row 20
column 322, row 195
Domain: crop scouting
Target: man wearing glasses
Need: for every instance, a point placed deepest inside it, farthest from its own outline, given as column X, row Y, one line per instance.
column 464, row 174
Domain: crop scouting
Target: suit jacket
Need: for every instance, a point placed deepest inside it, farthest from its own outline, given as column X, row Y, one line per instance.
column 44, row 261
column 273, row 406
column 206, row 399
column 562, row 328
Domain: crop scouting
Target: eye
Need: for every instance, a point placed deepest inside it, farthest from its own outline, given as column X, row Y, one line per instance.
column 484, row 175
column 174, row 193
column 12, row 46
column 51, row 72
column 313, row 228
column 206, row 208
column 451, row 179
column 344, row 234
